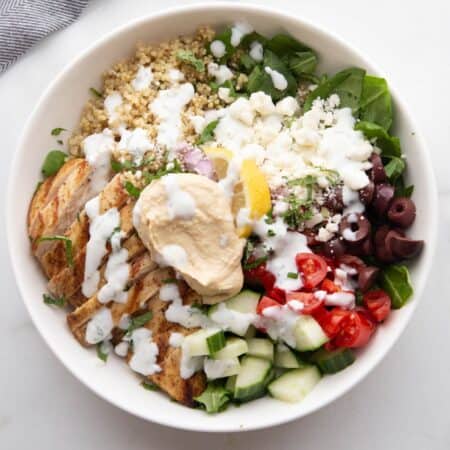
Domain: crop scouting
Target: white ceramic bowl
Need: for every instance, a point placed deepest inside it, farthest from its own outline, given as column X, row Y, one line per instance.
column 61, row 105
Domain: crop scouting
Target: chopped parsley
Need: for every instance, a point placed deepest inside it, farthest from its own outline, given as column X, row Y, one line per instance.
column 149, row 386
column 176, row 168
column 101, row 354
column 54, row 301
column 309, row 181
column 139, row 321
column 293, row 275
column 189, row 58
column 271, row 233
column 54, row 160
column 169, row 280
column 57, row 131
column 298, row 211
column 208, row 132
column 95, row 93
column 252, row 264
column 67, row 246
column 132, row 189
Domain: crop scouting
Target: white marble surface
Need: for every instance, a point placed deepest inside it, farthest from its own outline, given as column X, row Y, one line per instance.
column 404, row 403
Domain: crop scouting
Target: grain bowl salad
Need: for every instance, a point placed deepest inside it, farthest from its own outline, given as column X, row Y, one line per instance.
column 226, row 219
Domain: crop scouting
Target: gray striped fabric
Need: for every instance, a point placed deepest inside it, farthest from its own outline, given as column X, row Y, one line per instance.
column 24, row 22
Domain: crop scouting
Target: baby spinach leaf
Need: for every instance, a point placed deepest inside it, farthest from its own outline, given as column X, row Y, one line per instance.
column 303, row 62
column 67, row 246
column 214, row 398
column 54, row 160
column 347, row 84
column 139, row 321
column 394, row 168
column 247, row 63
column 208, row 132
column 396, row 282
column 254, row 36
column 57, row 131
column 225, row 37
column 54, row 301
column 282, row 44
column 401, row 190
column 376, row 105
column 132, row 189
column 101, row 354
column 389, row 145
column 189, row 58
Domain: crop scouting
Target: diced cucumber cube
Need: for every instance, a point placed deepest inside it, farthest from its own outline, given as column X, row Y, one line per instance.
column 252, row 379
column 244, row 302
column 234, row 346
column 196, row 344
column 221, row 368
column 260, row 347
column 308, row 334
column 285, row 358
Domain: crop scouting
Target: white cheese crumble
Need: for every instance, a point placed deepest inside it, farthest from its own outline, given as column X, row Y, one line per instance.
column 112, row 103
column 143, row 79
column 221, row 73
column 238, row 31
column 217, row 48
column 135, row 142
column 256, row 51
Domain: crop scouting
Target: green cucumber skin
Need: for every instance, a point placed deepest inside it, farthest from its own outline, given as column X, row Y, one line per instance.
column 334, row 361
column 257, row 389
column 216, row 342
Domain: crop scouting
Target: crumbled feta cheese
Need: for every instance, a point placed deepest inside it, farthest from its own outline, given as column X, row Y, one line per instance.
column 221, row 73
column 262, row 103
column 256, row 51
column 288, row 106
column 242, row 110
column 218, row 49
column 238, row 31
column 224, row 94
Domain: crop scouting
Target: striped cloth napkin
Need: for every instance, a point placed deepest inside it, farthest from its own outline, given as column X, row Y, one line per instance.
column 25, row 22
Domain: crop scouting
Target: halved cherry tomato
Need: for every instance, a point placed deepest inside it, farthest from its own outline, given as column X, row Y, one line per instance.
column 277, row 294
column 329, row 286
column 378, row 303
column 265, row 302
column 310, row 302
column 355, row 330
column 259, row 277
column 313, row 268
column 331, row 321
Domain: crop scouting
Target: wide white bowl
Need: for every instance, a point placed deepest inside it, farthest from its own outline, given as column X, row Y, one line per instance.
column 61, row 105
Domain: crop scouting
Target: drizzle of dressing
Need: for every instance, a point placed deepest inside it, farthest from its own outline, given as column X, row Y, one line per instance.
column 116, row 273
column 227, row 318
column 256, row 51
column 180, row 204
column 217, row 49
column 101, row 228
column 112, row 102
column 238, row 31
column 176, row 339
column 135, row 142
column 278, row 80
column 167, row 108
column 143, row 78
column 145, row 352
column 222, row 73
column 99, row 327
column 172, row 255
column 121, row 349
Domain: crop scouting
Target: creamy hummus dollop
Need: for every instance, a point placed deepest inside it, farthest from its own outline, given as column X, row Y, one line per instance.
column 185, row 221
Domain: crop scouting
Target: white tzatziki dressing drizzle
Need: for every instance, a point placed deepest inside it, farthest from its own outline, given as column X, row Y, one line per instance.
column 180, row 204
column 145, row 352
column 99, row 327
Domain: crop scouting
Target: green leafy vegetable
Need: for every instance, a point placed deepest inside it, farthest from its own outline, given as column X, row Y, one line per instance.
column 139, row 321
column 169, row 280
column 282, row 44
column 254, row 36
column 396, row 282
column 96, row 93
column 151, row 176
column 214, row 398
column 253, row 264
column 225, row 37
column 389, row 145
column 67, row 246
column 132, row 189
column 247, row 63
column 189, row 58
column 401, row 190
column 149, row 386
column 303, row 63
column 54, row 160
column 101, row 354
column 376, row 105
column 394, row 168
column 55, row 301
column 208, row 132
column 347, row 84
column 309, row 181
column 298, row 211
column 57, row 131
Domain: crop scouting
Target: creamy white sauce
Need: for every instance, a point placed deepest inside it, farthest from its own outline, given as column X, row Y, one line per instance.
column 227, row 318
column 145, row 352
column 278, row 79
column 345, row 299
column 176, row 339
column 143, row 78
column 116, row 273
column 167, row 108
column 256, row 51
column 351, row 201
column 221, row 73
column 101, row 227
column 173, row 256
column 175, row 75
column 124, row 321
column 238, row 31
column 99, row 327
column 112, row 103
column 121, row 349
column 98, row 148
column 218, row 368
column 218, row 49
column 135, row 142
column 189, row 365
column 180, row 204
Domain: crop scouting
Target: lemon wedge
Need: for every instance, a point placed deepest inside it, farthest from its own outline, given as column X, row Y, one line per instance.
column 251, row 192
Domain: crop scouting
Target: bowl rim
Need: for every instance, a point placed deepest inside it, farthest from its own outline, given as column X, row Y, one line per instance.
column 427, row 169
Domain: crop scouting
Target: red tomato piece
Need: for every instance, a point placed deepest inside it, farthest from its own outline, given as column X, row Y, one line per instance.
column 355, row 330
column 265, row 302
column 260, row 277
column 329, row 286
column 331, row 321
column 378, row 303
column 310, row 302
column 312, row 267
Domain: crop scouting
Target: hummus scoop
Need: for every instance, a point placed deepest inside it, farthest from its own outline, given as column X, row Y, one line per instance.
column 185, row 221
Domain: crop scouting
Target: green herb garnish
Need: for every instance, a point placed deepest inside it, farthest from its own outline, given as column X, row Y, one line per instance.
column 100, row 353
column 255, row 263
column 309, row 181
column 54, row 301
column 208, row 132
column 96, row 93
column 54, row 160
column 57, row 131
column 169, row 280
column 139, row 321
column 189, row 58
column 149, row 177
column 132, row 189
column 149, row 386
column 67, row 246
column 271, row 233
column 396, row 282
column 292, row 275
column 298, row 211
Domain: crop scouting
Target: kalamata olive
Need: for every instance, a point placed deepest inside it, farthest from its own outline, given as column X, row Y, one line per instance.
column 377, row 172
column 354, row 228
column 403, row 247
column 334, row 248
column 382, row 252
column 352, row 261
column 384, row 193
column 367, row 277
column 310, row 237
column 364, row 248
column 402, row 212
column 333, row 200
column 366, row 193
